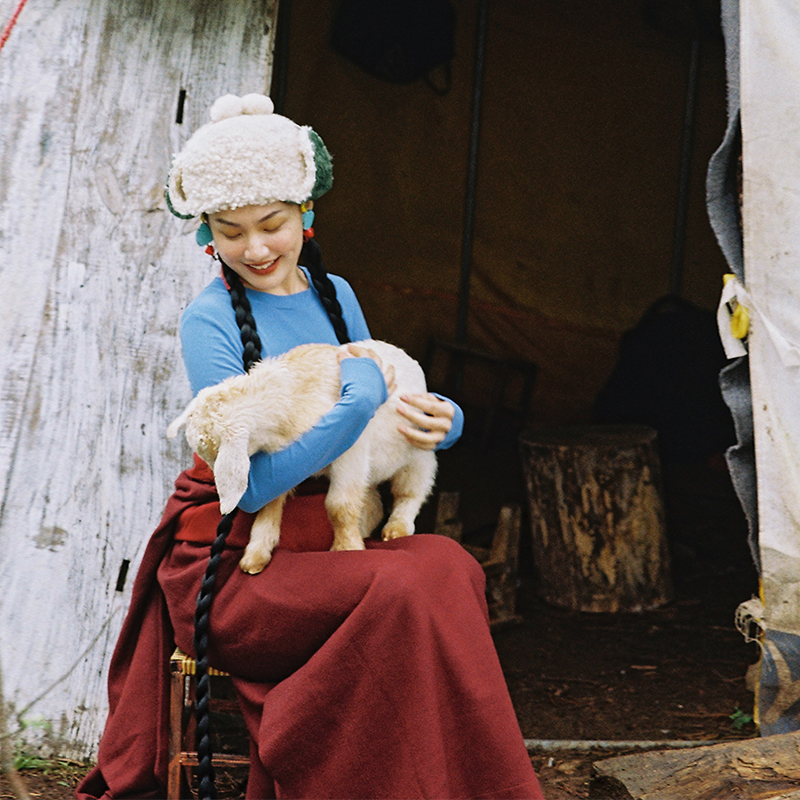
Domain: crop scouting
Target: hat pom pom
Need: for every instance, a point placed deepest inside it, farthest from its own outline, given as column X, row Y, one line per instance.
column 257, row 104
column 230, row 105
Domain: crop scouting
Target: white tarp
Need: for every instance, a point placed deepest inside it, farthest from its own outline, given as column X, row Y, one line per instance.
column 769, row 94
column 770, row 113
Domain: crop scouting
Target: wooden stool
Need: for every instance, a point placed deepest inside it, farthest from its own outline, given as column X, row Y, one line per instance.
column 182, row 725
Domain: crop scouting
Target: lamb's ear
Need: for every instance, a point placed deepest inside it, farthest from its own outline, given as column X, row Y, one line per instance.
column 231, row 470
column 179, row 422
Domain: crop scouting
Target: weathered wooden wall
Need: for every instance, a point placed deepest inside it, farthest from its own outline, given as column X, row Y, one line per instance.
column 94, row 274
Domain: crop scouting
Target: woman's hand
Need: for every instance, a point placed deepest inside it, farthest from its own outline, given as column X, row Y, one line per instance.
column 357, row 351
column 431, row 419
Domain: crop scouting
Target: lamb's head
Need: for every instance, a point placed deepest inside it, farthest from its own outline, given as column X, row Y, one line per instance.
column 217, row 434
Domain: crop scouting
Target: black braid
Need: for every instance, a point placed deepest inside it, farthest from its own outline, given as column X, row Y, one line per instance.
column 311, row 257
column 205, row 770
column 244, row 318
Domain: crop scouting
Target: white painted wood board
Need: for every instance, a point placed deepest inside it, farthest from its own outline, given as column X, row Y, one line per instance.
column 94, row 273
column 770, row 88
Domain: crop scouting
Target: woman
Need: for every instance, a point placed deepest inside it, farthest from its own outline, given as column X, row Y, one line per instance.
column 366, row 674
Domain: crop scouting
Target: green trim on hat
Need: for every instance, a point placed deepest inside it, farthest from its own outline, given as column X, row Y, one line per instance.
column 323, row 165
column 171, row 207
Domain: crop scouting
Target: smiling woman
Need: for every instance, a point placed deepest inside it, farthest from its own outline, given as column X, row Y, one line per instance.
column 330, row 652
column 262, row 245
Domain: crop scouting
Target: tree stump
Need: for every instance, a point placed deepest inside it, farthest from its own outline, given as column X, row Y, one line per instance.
column 597, row 517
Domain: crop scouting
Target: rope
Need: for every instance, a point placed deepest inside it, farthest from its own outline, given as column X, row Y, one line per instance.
column 11, row 23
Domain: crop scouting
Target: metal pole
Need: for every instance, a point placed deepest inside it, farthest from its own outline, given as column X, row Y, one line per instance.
column 585, row 745
column 682, row 210
column 469, row 205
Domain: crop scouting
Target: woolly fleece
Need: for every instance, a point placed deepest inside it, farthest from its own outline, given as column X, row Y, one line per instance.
column 247, row 155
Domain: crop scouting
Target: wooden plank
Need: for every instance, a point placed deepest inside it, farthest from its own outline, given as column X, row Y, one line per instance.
column 95, row 272
column 748, row 769
column 499, row 562
column 501, row 568
column 447, row 522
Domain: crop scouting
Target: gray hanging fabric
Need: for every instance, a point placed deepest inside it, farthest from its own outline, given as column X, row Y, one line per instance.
column 722, row 202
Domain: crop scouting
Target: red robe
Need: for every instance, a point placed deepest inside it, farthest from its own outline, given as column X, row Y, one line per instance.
column 360, row 674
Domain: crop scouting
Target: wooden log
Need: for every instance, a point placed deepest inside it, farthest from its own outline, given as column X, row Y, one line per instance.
column 597, row 517
column 748, row 769
column 501, row 568
column 447, row 522
column 499, row 562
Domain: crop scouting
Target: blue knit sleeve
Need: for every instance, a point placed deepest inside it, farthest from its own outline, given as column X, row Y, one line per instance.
column 456, row 429
column 272, row 474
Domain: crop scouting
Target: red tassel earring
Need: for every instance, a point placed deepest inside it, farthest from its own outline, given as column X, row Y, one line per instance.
column 308, row 221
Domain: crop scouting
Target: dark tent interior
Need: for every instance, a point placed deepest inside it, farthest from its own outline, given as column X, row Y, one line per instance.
column 586, row 210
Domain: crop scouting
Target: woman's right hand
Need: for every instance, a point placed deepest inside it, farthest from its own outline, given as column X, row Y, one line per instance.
column 357, row 351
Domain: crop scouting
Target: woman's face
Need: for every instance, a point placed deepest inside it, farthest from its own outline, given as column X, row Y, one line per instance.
column 262, row 244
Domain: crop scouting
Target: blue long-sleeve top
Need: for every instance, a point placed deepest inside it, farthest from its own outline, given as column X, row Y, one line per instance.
column 212, row 351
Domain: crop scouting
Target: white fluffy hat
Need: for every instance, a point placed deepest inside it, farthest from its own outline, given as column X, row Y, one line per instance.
column 245, row 156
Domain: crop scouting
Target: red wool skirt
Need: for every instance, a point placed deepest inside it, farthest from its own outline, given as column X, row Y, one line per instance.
column 368, row 674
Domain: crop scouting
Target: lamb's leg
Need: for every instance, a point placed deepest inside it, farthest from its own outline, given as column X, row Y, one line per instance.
column 264, row 537
column 373, row 512
column 410, row 487
column 346, row 498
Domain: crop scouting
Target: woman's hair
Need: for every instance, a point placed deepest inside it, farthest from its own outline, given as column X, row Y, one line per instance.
column 246, row 155
column 244, row 318
column 311, row 258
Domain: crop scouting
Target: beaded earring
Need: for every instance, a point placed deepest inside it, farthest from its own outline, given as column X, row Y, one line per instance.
column 205, row 238
column 308, row 221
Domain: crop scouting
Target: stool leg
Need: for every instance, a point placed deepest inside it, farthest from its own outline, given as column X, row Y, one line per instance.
column 189, row 731
column 174, row 771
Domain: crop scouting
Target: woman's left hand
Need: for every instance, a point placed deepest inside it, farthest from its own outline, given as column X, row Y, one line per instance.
column 430, row 418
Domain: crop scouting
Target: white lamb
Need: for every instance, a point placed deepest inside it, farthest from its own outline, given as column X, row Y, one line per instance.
column 280, row 399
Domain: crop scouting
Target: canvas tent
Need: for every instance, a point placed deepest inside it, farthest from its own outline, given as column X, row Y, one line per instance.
column 578, row 168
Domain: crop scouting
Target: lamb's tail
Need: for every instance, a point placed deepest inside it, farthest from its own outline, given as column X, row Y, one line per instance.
column 179, row 422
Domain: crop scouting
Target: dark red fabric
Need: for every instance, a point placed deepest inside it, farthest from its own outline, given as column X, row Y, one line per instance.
column 304, row 526
column 360, row 674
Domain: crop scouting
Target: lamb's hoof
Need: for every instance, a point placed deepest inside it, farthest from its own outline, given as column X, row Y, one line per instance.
column 394, row 530
column 348, row 544
column 253, row 563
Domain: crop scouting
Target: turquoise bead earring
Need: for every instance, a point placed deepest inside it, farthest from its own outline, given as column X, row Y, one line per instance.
column 308, row 221
column 205, row 238
column 203, row 235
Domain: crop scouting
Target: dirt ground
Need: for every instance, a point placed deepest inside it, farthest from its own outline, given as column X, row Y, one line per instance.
column 676, row 673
